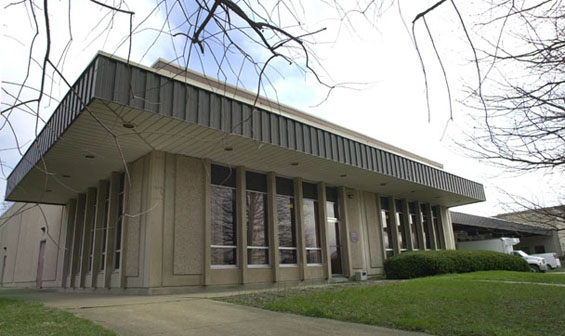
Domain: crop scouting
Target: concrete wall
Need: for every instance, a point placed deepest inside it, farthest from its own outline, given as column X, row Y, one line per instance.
column 166, row 232
column 20, row 237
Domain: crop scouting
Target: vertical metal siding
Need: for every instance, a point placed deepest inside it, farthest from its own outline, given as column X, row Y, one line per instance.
column 116, row 81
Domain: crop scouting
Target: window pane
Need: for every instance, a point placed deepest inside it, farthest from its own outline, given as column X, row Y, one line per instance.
column 313, row 256
column 258, row 256
column 425, row 224
column 311, row 226
column 437, row 227
column 331, row 208
column 223, row 256
column 402, row 237
column 118, row 241
column 288, row 257
column 257, row 224
column 286, row 220
column 223, row 216
column 387, row 233
column 414, row 229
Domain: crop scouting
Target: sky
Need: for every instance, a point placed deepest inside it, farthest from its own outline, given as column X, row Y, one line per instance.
column 384, row 97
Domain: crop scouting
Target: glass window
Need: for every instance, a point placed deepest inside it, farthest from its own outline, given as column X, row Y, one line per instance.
column 414, row 228
column 438, row 231
column 331, row 208
column 224, row 231
column 118, row 241
column 386, row 222
column 312, row 231
column 92, row 231
column 286, row 221
column 403, row 234
column 257, row 219
column 426, row 226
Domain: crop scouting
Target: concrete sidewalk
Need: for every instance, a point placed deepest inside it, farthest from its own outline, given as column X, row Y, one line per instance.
column 189, row 314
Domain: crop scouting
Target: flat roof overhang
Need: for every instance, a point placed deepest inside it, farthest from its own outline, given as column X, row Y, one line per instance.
column 479, row 224
column 85, row 140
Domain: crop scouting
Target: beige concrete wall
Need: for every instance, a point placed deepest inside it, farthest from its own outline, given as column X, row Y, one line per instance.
column 20, row 236
column 356, row 223
column 373, row 235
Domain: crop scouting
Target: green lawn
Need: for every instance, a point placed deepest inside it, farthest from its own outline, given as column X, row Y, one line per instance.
column 459, row 304
column 32, row 318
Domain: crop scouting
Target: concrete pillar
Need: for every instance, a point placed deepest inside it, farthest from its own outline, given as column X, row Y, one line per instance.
column 324, row 238
column 241, row 222
column 273, row 225
column 394, row 225
column 447, row 228
column 299, row 213
column 99, row 232
column 77, row 236
column 113, row 218
column 154, row 220
column 126, row 210
column 207, row 223
column 406, row 224
column 344, row 220
column 67, row 230
column 86, row 233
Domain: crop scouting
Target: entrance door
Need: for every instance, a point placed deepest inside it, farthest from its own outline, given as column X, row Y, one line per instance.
column 40, row 263
column 335, row 246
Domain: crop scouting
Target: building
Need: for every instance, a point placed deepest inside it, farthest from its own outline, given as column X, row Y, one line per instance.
column 535, row 236
column 551, row 219
column 166, row 178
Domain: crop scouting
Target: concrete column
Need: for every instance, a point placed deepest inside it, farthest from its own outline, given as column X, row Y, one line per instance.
column 126, row 209
column 344, row 221
column 299, row 213
column 78, row 227
column 87, row 226
column 324, row 238
column 113, row 218
column 407, row 228
column 207, row 223
column 394, row 225
column 99, row 235
column 241, row 222
column 154, row 220
column 273, row 219
column 433, row 241
column 67, row 230
column 420, row 226
column 447, row 228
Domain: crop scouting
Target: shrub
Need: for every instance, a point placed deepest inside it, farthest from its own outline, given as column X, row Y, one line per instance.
column 426, row 263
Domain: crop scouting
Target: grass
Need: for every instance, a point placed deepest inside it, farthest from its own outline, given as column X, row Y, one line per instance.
column 444, row 305
column 32, row 318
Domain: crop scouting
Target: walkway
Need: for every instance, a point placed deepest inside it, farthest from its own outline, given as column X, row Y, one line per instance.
column 190, row 314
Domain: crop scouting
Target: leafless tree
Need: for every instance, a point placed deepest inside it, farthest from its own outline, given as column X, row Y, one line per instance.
column 518, row 51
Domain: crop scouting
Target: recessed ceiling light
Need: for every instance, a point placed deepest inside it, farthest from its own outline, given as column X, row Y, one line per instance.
column 128, row 125
column 294, row 163
column 228, row 149
column 89, row 156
